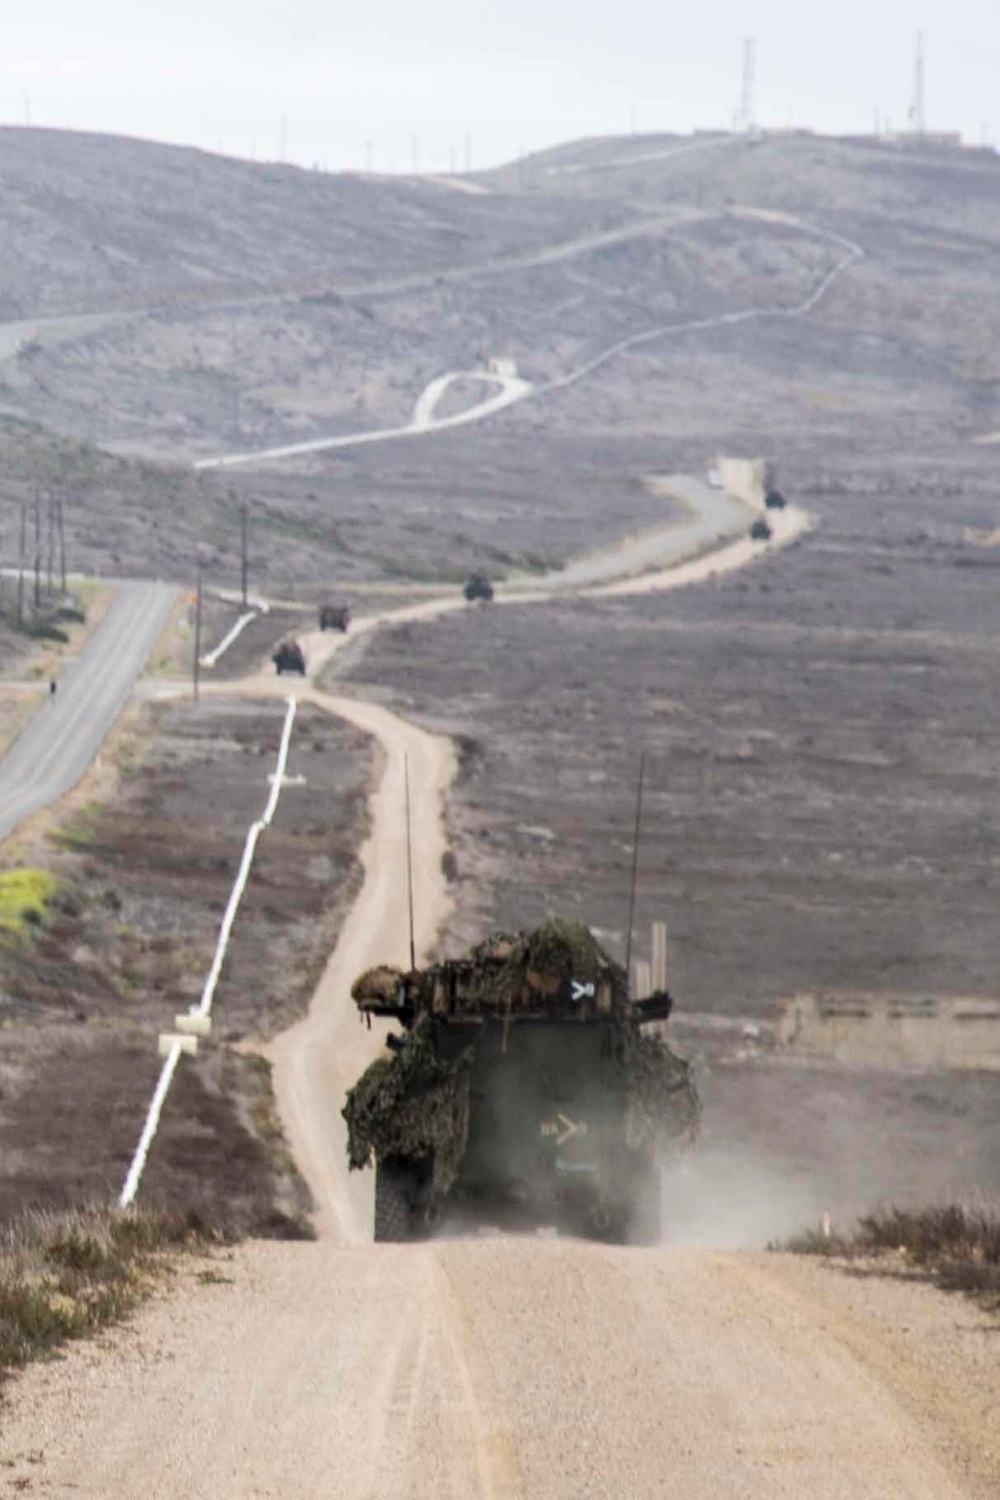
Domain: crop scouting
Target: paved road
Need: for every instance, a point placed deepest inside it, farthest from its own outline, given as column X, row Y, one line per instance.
column 64, row 736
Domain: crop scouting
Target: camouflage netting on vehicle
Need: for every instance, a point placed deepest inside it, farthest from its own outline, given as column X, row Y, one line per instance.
column 412, row 1103
column 508, row 968
column 662, row 1110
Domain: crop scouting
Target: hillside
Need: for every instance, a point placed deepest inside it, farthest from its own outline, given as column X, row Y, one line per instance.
column 257, row 306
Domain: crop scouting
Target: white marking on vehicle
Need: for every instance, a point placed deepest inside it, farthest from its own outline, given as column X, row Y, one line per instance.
column 570, row 1128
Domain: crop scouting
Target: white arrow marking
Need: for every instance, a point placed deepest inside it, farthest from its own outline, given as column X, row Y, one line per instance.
column 581, row 991
column 572, row 1129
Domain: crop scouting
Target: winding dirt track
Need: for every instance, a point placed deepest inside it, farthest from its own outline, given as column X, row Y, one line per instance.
column 527, row 1369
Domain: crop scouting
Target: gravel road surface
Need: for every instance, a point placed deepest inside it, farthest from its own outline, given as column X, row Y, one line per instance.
column 527, row 1369
column 55, row 749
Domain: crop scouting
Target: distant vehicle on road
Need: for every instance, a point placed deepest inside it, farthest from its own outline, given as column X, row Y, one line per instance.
column 774, row 500
column 760, row 531
column 334, row 617
column 478, row 587
column 289, row 658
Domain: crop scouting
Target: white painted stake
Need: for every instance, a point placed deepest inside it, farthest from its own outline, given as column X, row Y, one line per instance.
column 149, row 1129
column 173, row 1045
column 168, row 1040
column 211, row 657
column 193, row 1025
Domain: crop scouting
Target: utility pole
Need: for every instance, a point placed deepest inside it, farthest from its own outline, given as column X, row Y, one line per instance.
column 62, row 544
column 20, row 562
column 196, row 664
column 244, row 551
column 50, row 558
column 38, row 550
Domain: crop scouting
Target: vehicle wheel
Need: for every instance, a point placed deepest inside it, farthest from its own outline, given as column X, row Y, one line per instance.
column 395, row 1209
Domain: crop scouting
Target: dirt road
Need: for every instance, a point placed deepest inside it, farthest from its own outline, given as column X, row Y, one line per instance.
column 515, row 1369
column 527, row 1369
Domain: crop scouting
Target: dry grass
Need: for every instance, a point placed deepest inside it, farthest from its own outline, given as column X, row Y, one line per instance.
column 66, row 1274
column 955, row 1246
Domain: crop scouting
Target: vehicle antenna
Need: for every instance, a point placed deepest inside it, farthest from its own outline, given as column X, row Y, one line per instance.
column 635, row 868
column 409, row 860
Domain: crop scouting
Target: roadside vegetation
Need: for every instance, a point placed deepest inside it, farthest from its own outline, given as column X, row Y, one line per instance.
column 66, row 1274
column 108, row 924
column 24, row 898
column 954, row 1246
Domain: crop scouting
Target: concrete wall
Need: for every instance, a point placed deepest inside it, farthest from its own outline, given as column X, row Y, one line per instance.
column 892, row 1030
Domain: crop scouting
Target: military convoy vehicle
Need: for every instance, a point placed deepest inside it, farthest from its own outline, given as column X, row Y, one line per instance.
column 289, row 658
column 760, row 531
column 523, row 1085
column 774, row 500
column 478, row 587
column 334, row 617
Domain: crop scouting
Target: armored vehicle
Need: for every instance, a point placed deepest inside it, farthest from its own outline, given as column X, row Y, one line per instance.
column 334, row 617
column 289, row 658
column 774, row 500
column 522, row 1084
column 760, row 531
column 478, row 587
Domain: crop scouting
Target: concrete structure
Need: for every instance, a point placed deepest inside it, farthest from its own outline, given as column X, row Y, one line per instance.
column 891, row 1030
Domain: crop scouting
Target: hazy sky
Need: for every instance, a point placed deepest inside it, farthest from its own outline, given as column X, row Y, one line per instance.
column 344, row 85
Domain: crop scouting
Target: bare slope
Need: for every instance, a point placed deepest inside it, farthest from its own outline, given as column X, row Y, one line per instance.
column 95, row 222
column 319, row 306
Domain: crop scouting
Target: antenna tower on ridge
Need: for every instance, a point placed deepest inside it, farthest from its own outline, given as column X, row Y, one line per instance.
column 918, row 115
column 745, row 114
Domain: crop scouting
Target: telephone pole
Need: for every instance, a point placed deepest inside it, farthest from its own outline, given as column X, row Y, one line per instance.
column 50, row 557
column 244, row 551
column 61, row 520
column 22, row 543
column 196, row 663
column 38, row 550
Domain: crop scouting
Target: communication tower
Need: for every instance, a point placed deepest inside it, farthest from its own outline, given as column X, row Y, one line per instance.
column 918, row 114
column 744, row 120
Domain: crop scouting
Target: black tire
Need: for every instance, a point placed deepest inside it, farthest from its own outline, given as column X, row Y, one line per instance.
column 395, row 1206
